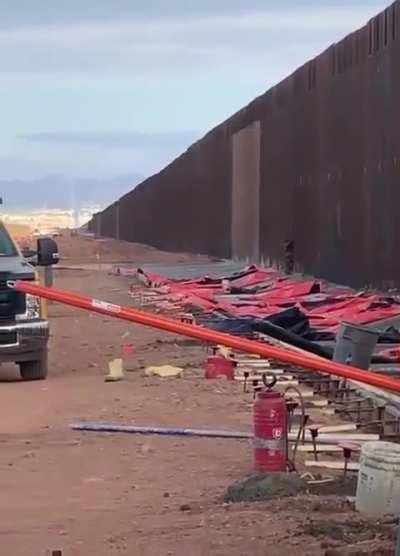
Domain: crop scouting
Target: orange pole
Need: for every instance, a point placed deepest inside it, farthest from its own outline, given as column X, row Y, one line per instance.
column 208, row 335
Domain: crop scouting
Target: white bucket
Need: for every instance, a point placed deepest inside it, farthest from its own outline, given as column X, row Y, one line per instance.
column 378, row 489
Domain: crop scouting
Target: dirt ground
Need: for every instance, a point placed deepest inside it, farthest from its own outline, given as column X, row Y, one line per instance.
column 76, row 249
column 103, row 495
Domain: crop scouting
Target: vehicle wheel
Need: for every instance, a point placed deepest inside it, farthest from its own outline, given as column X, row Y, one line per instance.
column 34, row 370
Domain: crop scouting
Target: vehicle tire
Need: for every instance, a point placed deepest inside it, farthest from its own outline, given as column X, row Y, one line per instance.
column 34, row 370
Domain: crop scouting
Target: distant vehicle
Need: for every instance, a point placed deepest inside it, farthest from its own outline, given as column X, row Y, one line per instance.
column 24, row 328
column 53, row 232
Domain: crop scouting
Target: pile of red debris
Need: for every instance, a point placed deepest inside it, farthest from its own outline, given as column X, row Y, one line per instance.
column 254, row 301
column 260, row 293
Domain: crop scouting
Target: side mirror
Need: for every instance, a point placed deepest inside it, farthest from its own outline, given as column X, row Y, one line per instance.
column 47, row 252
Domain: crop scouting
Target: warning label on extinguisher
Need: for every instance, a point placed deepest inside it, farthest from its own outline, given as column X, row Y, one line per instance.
column 277, row 433
column 269, row 444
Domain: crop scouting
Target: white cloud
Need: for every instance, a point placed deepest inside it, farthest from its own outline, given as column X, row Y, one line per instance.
column 320, row 20
column 178, row 42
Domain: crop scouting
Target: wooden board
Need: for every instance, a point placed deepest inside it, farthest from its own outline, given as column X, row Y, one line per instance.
column 308, row 448
column 304, row 393
column 339, row 465
column 279, row 383
column 321, row 403
column 343, row 437
column 346, row 427
column 258, row 372
column 330, row 411
column 326, row 429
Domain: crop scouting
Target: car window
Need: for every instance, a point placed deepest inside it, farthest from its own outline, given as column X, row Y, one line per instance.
column 7, row 247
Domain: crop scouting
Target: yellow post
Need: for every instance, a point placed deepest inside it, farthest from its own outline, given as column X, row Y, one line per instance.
column 44, row 308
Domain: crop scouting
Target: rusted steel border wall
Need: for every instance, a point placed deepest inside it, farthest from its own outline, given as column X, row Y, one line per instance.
column 330, row 169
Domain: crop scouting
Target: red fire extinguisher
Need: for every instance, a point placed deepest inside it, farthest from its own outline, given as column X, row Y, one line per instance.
column 270, row 430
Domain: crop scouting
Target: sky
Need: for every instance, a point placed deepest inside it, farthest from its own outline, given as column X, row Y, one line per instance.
column 105, row 88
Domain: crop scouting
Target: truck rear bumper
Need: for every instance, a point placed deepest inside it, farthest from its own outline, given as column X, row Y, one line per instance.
column 23, row 341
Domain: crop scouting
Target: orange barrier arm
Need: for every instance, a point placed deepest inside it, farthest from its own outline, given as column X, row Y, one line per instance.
column 208, row 335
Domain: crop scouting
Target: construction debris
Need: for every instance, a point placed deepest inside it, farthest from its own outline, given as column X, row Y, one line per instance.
column 255, row 302
column 165, row 371
column 296, row 359
column 215, row 463
column 261, row 299
column 104, row 427
column 116, row 371
column 126, row 313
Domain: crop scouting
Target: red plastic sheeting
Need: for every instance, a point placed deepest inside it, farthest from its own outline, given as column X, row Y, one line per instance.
column 326, row 307
column 257, row 277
